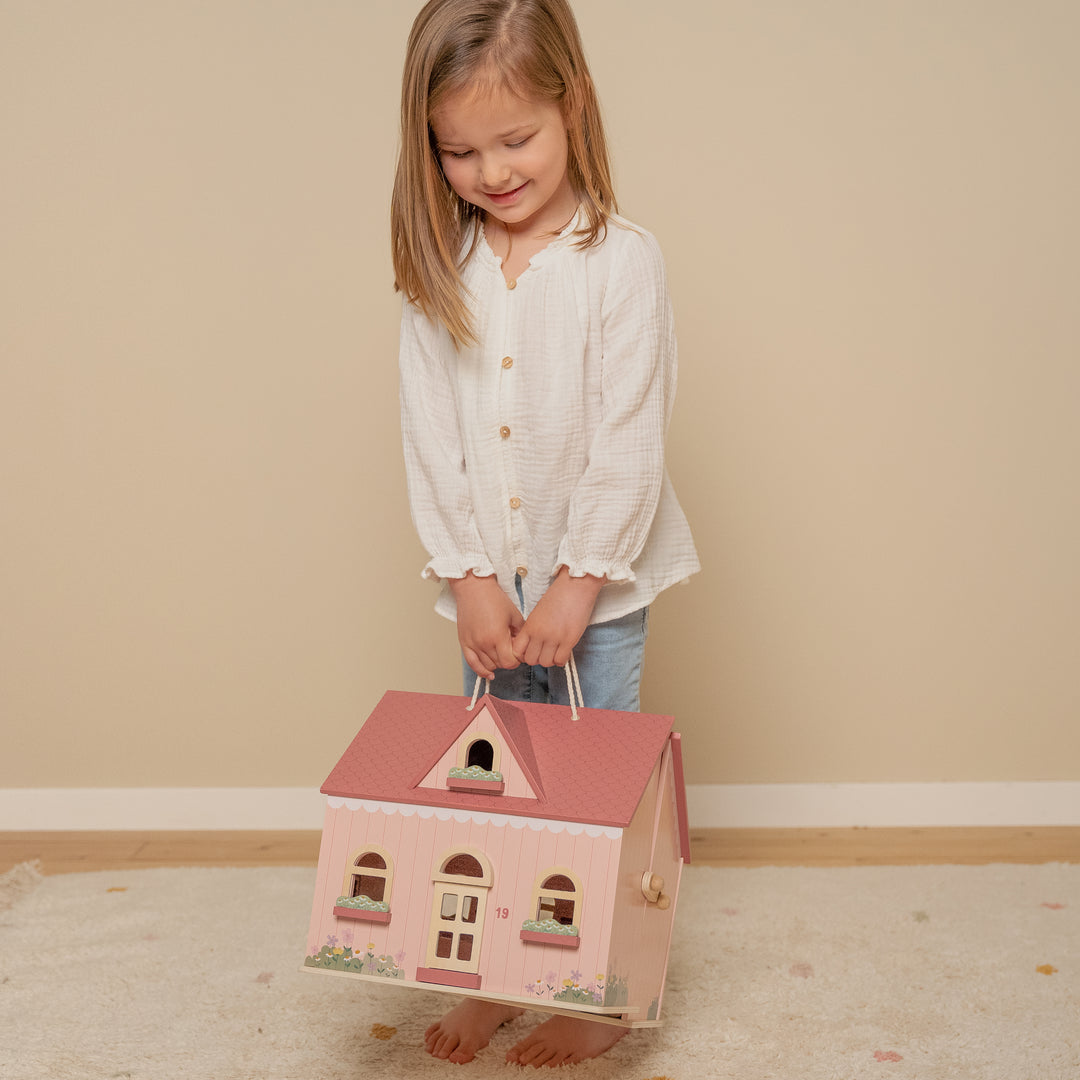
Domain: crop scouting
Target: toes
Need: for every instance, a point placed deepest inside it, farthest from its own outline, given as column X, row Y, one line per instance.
column 534, row 1054
column 442, row 1044
column 561, row 1058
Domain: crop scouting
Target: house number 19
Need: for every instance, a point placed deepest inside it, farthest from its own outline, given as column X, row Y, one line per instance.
column 502, row 913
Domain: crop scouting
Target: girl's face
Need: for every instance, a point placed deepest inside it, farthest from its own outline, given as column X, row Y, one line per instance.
column 507, row 156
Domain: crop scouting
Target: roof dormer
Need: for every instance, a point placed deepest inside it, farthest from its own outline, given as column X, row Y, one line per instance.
column 492, row 755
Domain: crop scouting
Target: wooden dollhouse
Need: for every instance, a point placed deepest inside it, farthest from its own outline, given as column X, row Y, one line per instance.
column 507, row 851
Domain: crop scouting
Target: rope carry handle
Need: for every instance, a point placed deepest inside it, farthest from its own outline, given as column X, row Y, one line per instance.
column 573, row 689
column 476, row 691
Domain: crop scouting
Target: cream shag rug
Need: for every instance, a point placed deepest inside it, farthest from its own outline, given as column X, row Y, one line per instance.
column 876, row 973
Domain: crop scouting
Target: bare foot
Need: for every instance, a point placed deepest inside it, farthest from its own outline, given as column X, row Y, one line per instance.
column 466, row 1028
column 564, row 1040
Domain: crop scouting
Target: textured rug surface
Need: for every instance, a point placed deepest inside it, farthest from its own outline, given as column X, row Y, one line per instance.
column 877, row 973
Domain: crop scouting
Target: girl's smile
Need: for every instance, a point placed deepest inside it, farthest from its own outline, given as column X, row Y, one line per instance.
column 507, row 156
column 506, row 198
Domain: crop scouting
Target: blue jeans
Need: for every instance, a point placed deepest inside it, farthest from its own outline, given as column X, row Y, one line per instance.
column 609, row 659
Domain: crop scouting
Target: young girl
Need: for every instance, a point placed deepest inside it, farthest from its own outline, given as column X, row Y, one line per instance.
column 537, row 380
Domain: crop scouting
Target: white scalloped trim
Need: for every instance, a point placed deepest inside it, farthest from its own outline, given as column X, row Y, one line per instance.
column 442, row 813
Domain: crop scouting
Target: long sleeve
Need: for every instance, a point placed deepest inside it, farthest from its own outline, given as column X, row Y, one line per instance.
column 439, row 497
column 613, row 504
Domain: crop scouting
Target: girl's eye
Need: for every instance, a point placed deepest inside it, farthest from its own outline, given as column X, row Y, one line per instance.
column 518, row 145
column 459, row 154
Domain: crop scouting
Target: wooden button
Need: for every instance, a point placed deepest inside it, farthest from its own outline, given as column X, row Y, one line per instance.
column 511, row 284
column 508, row 362
column 504, row 431
column 521, row 571
column 515, row 503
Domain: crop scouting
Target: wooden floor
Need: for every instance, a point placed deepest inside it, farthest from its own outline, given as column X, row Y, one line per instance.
column 73, row 852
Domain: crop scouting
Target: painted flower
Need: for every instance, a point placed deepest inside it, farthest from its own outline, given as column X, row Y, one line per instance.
column 568, row 982
column 332, row 940
column 576, row 976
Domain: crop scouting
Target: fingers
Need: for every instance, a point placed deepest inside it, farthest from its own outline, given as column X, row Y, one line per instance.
column 485, row 656
column 480, row 665
column 504, row 654
column 531, row 649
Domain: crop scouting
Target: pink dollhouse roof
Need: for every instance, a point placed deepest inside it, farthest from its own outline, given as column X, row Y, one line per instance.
column 592, row 770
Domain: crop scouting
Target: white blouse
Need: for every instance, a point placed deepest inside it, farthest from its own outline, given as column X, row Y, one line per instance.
column 543, row 445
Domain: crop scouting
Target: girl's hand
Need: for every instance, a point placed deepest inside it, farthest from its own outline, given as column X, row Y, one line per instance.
column 487, row 621
column 557, row 622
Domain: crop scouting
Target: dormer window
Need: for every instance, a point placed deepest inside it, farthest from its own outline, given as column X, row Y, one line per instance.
column 477, row 770
column 481, row 753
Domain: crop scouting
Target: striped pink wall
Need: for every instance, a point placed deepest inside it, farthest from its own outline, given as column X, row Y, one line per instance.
column 517, row 855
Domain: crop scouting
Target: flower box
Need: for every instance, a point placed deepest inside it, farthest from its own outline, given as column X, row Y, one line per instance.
column 476, row 787
column 361, row 914
column 564, row 941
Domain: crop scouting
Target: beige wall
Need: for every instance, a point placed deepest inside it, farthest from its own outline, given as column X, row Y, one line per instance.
column 869, row 210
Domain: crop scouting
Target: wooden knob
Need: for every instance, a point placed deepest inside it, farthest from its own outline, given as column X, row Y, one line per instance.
column 651, row 886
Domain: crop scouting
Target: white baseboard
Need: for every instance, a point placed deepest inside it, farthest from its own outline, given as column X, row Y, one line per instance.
column 160, row 809
column 834, row 806
column 746, row 806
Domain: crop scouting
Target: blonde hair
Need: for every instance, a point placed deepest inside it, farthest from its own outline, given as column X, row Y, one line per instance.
column 531, row 47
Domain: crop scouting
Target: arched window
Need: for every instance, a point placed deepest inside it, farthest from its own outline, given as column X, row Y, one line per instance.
column 371, row 874
column 481, row 749
column 465, row 864
column 477, row 768
column 557, row 899
column 481, row 753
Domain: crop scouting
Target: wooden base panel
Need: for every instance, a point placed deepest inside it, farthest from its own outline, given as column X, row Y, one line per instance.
column 75, row 852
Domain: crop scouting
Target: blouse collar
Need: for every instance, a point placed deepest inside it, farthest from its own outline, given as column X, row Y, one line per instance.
column 556, row 244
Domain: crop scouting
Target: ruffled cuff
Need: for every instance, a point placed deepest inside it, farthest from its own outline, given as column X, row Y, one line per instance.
column 445, row 566
column 612, row 573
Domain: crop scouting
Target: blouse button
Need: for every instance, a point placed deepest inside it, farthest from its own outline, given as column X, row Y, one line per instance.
column 507, row 362
column 515, row 503
column 511, row 284
column 521, row 571
column 504, row 431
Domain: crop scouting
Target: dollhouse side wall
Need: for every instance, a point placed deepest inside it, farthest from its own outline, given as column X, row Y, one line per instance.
column 667, row 862
column 521, row 852
column 641, row 934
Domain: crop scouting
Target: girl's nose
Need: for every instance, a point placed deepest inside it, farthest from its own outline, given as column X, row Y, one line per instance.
column 494, row 172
